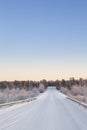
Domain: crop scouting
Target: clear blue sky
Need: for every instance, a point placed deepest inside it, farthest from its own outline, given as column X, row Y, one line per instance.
column 43, row 39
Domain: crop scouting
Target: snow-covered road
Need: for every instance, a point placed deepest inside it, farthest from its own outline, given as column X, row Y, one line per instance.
column 51, row 111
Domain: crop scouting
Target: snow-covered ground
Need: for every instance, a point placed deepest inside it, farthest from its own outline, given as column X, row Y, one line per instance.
column 51, row 111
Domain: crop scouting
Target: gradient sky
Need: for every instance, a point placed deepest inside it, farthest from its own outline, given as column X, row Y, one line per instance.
column 43, row 39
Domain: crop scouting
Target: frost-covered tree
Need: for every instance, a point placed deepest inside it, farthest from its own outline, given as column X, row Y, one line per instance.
column 41, row 87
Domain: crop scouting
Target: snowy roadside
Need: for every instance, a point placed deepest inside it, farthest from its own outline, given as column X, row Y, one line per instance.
column 77, row 94
column 17, row 102
column 74, row 100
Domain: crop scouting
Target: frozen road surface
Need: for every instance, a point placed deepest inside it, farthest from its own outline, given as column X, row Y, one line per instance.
column 51, row 111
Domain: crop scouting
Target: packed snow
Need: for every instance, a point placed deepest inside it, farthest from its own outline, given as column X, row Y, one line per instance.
column 51, row 111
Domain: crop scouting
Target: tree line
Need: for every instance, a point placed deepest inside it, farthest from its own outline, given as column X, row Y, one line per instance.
column 29, row 85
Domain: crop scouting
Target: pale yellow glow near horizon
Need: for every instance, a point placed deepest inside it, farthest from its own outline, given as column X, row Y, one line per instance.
column 39, row 71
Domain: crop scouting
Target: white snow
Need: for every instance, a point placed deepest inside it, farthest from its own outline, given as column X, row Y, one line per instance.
column 51, row 111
